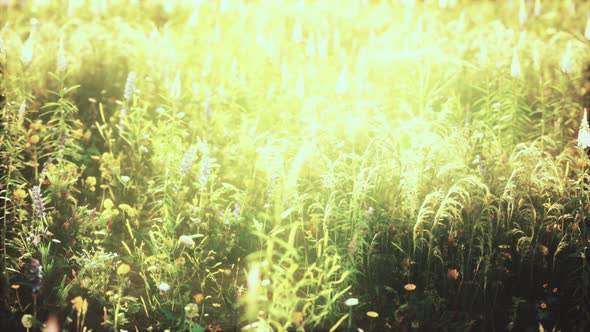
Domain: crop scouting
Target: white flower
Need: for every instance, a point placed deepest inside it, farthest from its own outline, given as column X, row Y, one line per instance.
column 187, row 240
column 164, row 287
column 567, row 63
column 584, row 133
column 125, row 178
column 351, row 302
column 515, row 70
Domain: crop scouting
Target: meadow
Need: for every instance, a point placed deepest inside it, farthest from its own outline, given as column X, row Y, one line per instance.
column 303, row 165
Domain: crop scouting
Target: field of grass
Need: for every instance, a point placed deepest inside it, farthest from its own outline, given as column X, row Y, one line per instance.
column 303, row 165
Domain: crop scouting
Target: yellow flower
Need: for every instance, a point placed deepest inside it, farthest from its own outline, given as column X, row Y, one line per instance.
column 199, row 297
column 27, row 321
column 15, row 286
column 20, row 194
column 372, row 314
column 37, row 125
column 180, row 261
column 297, row 318
column 123, row 269
column 409, row 287
column 78, row 304
column 91, row 181
column 34, row 139
column 108, row 204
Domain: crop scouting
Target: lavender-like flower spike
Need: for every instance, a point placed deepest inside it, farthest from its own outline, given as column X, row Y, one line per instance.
column 35, row 275
column 122, row 121
column 38, row 207
column 45, row 169
column 129, row 85
column 61, row 58
column 187, row 161
column 205, row 170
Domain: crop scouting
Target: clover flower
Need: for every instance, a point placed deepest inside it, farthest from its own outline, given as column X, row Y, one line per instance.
column 38, row 207
column 129, row 85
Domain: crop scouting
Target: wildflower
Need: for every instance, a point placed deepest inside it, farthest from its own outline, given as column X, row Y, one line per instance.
column 34, row 139
column 352, row 247
column 108, row 204
column 237, row 209
column 300, row 85
column 164, row 287
column 191, row 310
column 35, row 274
column 129, row 85
column 537, row 8
column 371, row 210
column 22, row 111
column 584, row 132
column 453, row 274
column 554, row 290
column 180, row 261
column 409, row 287
column 80, row 305
column 297, row 318
column 205, row 170
column 187, row 161
column 26, row 55
column 297, row 33
column 20, row 194
column 27, row 321
column 61, row 57
column 567, row 62
column 522, row 16
column 38, row 207
column 123, row 269
column 545, row 285
column 187, row 240
column 265, row 282
column 341, row 82
column 351, row 302
column 175, row 89
column 125, row 178
column 543, row 305
column 122, row 116
column 515, row 70
column 199, row 297
column 372, row 314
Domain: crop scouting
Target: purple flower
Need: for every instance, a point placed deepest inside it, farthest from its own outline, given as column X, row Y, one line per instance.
column 35, row 275
column 129, row 85
column 237, row 209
